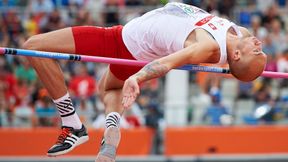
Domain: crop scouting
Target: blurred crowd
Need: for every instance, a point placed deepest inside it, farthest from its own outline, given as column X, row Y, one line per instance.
column 25, row 103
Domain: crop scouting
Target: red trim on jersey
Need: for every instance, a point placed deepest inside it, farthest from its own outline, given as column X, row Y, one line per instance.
column 204, row 20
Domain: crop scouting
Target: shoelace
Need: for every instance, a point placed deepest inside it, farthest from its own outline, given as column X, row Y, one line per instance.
column 65, row 132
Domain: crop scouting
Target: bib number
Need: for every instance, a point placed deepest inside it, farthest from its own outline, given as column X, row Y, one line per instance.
column 189, row 10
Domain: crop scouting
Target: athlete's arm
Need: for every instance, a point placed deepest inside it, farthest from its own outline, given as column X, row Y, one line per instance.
column 193, row 54
column 196, row 53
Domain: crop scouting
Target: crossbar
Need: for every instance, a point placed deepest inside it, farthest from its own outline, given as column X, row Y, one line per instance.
column 97, row 59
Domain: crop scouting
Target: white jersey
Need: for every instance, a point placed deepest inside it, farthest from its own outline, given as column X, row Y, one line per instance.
column 163, row 31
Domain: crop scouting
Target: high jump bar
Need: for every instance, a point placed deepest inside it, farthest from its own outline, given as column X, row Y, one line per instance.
column 84, row 58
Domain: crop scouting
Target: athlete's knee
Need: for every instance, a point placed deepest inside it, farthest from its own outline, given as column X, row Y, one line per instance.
column 109, row 89
column 36, row 43
column 107, row 94
column 33, row 43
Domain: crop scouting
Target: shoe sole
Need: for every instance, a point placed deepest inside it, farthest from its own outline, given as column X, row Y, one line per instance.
column 80, row 141
column 112, row 137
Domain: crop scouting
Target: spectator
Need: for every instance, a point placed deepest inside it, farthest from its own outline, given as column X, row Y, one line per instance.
column 14, row 28
column 263, row 94
column 41, row 6
column 282, row 66
column 7, row 95
column 4, row 37
column 25, row 72
column 95, row 8
column 45, row 112
column 269, row 46
column 83, row 17
column 31, row 25
column 268, row 113
column 225, row 7
column 283, row 62
column 87, row 112
column 278, row 36
column 8, row 91
column 271, row 13
column 150, row 88
column 6, row 5
column 134, row 116
column 111, row 12
column 23, row 94
column 3, row 109
column 83, row 86
column 23, row 114
column 79, row 3
column 153, row 115
column 211, row 7
column 197, row 3
column 151, row 2
column 271, row 64
column 53, row 22
column 256, row 29
column 216, row 112
column 264, row 7
column 133, row 2
column 245, row 90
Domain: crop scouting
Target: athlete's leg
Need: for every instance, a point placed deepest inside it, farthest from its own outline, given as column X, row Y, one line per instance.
column 47, row 69
column 52, row 78
column 110, row 89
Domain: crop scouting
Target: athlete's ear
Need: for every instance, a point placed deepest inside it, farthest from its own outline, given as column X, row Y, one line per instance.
column 237, row 55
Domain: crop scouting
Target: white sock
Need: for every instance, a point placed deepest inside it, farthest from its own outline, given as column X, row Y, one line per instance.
column 67, row 112
column 113, row 120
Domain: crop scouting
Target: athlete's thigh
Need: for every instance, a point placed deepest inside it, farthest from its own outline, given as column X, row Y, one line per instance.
column 109, row 82
column 55, row 41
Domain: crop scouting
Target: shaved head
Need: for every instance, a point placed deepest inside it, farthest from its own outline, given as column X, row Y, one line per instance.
column 248, row 61
column 248, row 70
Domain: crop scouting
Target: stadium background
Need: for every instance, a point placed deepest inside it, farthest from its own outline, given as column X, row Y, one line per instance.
column 184, row 116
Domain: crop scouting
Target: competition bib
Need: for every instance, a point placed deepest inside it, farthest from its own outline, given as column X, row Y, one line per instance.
column 183, row 10
column 189, row 10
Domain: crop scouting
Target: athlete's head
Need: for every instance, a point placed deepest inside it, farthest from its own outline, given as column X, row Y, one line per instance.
column 247, row 61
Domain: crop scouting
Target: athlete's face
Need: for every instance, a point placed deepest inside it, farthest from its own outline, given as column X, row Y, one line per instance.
column 251, row 46
column 251, row 51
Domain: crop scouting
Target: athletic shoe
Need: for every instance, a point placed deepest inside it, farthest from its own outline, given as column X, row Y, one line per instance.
column 68, row 140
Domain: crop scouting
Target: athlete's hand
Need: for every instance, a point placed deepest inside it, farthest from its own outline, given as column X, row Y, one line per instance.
column 130, row 92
